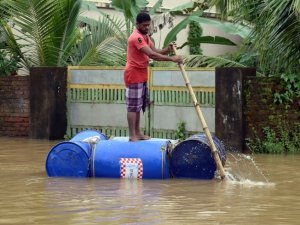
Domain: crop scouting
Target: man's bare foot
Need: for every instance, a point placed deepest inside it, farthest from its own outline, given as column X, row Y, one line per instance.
column 144, row 137
column 134, row 138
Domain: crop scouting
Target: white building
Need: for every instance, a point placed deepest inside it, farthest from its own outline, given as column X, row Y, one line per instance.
column 159, row 36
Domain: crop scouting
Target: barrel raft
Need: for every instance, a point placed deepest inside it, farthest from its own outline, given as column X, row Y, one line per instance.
column 72, row 158
column 192, row 158
column 91, row 154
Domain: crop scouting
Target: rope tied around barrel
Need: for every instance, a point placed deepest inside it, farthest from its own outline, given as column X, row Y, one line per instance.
column 92, row 141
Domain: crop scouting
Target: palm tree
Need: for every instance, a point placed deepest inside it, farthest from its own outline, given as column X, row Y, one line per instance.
column 44, row 31
column 47, row 33
column 275, row 32
column 102, row 43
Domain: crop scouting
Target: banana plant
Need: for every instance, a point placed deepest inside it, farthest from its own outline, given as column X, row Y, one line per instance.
column 131, row 8
column 196, row 10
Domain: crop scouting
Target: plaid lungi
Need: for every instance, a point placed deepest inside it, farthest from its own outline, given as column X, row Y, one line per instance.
column 137, row 97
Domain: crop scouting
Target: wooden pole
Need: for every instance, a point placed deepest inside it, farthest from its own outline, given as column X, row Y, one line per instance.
column 202, row 120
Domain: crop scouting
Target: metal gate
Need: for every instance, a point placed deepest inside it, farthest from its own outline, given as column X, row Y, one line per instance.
column 96, row 100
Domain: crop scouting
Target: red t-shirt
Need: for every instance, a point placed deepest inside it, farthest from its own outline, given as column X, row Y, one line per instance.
column 136, row 69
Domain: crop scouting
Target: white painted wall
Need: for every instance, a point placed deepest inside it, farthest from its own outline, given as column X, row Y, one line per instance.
column 113, row 114
column 159, row 37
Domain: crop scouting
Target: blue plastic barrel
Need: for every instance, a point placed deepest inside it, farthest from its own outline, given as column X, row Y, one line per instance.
column 123, row 159
column 82, row 135
column 109, row 158
column 72, row 158
column 192, row 158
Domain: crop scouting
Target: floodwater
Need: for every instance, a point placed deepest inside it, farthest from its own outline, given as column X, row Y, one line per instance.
column 265, row 191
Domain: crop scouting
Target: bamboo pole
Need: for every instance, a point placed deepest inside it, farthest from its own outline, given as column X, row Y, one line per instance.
column 202, row 120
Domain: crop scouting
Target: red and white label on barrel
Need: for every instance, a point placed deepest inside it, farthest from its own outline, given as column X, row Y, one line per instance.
column 131, row 168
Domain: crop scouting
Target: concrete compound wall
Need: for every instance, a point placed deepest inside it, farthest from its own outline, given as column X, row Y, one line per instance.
column 243, row 108
column 260, row 111
column 96, row 101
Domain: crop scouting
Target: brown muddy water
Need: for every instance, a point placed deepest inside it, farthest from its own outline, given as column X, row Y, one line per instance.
column 265, row 191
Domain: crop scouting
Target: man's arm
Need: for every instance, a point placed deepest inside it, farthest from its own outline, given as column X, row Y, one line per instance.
column 164, row 51
column 160, row 57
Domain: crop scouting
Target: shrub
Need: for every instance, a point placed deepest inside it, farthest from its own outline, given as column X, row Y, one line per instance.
column 8, row 64
column 283, row 139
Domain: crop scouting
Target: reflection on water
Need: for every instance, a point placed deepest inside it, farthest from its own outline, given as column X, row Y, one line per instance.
column 267, row 195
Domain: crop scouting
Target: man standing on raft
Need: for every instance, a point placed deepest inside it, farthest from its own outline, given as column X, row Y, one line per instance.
column 139, row 50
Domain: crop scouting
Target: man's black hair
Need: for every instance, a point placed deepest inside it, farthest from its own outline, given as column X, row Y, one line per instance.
column 143, row 17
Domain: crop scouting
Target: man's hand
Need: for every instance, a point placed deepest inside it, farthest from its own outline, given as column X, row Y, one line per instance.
column 170, row 46
column 160, row 57
column 177, row 59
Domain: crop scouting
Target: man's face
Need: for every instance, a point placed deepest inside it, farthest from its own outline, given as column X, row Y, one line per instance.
column 143, row 27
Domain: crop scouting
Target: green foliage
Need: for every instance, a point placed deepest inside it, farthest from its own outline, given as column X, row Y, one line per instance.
column 47, row 33
column 282, row 139
column 275, row 31
column 209, row 61
column 67, row 137
column 197, row 19
column 8, row 63
column 245, row 56
column 181, row 133
column 186, row 8
column 130, row 8
column 194, row 9
column 171, row 36
column 2, row 38
column 156, row 7
column 98, row 38
column 291, row 89
column 228, row 27
column 46, row 29
column 217, row 40
column 194, row 33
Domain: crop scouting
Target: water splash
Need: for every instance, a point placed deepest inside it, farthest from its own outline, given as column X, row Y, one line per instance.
column 242, row 169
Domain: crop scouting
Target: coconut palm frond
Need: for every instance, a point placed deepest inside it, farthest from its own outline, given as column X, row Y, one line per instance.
column 65, row 33
column 163, row 64
column 209, row 61
column 296, row 6
column 32, row 18
column 91, row 58
column 116, row 24
column 107, row 52
column 222, row 7
column 112, row 52
column 99, row 38
column 13, row 46
column 124, row 26
column 50, row 27
column 276, row 30
column 121, row 28
column 280, row 34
